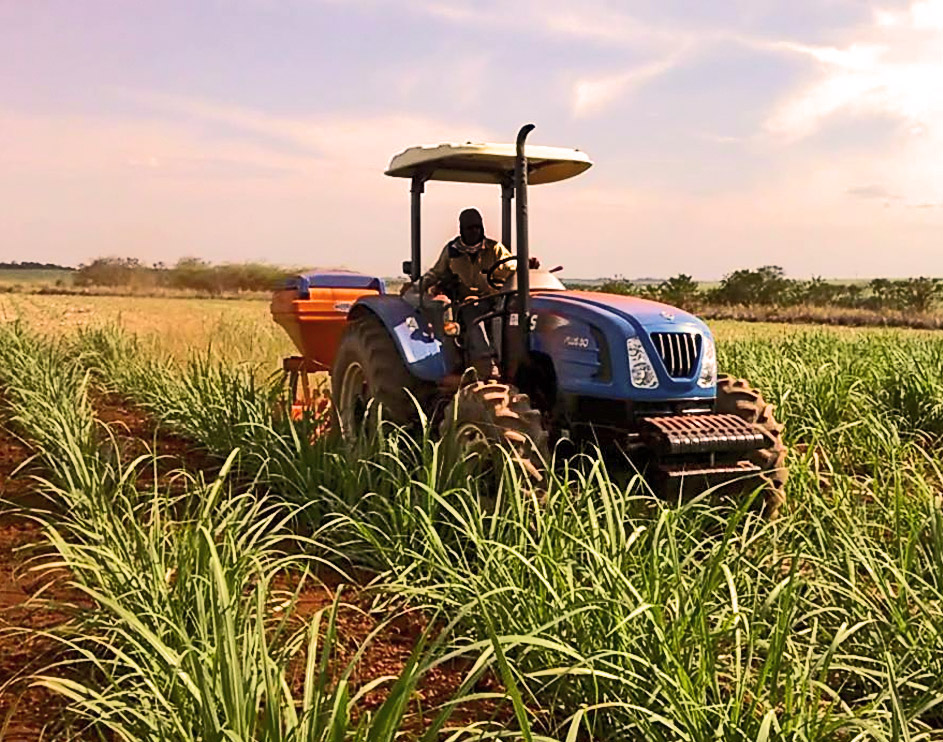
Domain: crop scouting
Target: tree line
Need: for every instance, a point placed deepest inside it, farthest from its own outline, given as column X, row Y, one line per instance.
column 188, row 273
column 30, row 265
column 768, row 286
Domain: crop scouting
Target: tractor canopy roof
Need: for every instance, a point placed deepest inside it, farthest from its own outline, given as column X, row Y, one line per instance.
column 487, row 163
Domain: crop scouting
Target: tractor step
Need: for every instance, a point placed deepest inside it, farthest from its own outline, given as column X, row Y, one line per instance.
column 678, row 479
column 721, row 473
column 690, row 434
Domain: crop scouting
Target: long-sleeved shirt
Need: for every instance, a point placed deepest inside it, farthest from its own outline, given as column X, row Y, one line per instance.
column 461, row 271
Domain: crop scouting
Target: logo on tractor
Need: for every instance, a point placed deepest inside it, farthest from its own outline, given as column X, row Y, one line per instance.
column 572, row 341
column 342, row 306
column 668, row 316
column 514, row 321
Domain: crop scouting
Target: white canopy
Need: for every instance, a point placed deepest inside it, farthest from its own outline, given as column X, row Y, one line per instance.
column 487, row 163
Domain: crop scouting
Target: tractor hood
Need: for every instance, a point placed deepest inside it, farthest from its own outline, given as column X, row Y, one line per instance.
column 641, row 313
column 586, row 334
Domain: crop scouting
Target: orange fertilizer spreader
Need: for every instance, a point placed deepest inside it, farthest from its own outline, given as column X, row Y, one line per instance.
column 313, row 309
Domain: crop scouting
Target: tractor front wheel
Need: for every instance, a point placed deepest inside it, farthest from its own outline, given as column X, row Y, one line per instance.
column 368, row 368
column 487, row 418
column 737, row 397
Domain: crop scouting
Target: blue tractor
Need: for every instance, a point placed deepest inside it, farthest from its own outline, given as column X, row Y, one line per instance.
column 618, row 372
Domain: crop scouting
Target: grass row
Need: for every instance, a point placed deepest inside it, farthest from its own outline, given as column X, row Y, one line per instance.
column 634, row 618
column 194, row 632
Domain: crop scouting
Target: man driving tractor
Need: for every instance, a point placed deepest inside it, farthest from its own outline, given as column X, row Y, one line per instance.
column 460, row 273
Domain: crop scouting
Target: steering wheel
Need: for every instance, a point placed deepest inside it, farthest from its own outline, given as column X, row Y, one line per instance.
column 455, row 305
column 489, row 272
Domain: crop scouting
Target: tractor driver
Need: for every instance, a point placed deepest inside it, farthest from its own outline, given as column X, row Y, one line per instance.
column 459, row 274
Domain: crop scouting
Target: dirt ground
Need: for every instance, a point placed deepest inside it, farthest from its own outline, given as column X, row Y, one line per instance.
column 28, row 601
column 30, row 713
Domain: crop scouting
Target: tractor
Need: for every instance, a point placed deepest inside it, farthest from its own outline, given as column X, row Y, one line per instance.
column 618, row 372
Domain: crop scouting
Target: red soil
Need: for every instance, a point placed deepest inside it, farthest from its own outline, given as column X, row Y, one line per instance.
column 137, row 433
column 388, row 652
column 25, row 598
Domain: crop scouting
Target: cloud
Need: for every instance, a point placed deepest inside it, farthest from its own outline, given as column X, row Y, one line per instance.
column 927, row 14
column 592, row 95
column 358, row 142
column 855, row 57
column 869, row 192
column 894, row 70
column 889, row 70
column 595, row 21
column 603, row 24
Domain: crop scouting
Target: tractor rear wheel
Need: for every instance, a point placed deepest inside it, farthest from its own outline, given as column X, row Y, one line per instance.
column 369, row 367
column 737, row 397
column 488, row 417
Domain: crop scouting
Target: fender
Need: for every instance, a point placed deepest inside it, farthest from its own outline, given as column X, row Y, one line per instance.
column 413, row 337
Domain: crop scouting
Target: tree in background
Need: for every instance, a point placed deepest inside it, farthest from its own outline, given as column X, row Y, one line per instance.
column 917, row 294
column 32, row 265
column 819, row 292
column 115, row 272
column 766, row 285
column 681, row 291
column 192, row 274
column 618, row 285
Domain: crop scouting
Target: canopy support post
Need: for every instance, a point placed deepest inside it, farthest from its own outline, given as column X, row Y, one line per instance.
column 415, row 226
column 507, row 193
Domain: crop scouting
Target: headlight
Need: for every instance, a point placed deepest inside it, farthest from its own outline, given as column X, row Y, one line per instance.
column 708, row 377
column 640, row 366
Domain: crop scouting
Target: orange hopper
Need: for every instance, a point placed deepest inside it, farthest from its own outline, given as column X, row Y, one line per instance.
column 313, row 310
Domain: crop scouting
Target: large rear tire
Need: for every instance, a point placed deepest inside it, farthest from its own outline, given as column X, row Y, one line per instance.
column 737, row 397
column 369, row 367
column 488, row 415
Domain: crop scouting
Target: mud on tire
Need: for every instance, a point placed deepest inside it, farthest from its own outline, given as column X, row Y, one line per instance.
column 488, row 415
column 737, row 397
column 369, row 367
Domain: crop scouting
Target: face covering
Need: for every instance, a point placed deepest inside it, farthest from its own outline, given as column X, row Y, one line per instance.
column 471, row 229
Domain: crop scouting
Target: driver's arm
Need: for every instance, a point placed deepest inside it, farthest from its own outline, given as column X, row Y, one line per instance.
column 437, row 274
column 502, row 272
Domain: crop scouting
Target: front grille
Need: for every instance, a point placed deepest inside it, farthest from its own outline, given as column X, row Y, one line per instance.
column 679, row 352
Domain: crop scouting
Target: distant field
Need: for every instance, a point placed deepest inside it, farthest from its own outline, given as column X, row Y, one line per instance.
column 41, row 277
column 243, row 330
column 238, row 329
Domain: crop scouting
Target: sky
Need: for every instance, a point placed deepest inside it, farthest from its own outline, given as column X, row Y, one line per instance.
column 732, row 134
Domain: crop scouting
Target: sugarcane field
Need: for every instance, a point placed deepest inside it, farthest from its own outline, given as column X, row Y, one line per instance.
column 453, row 372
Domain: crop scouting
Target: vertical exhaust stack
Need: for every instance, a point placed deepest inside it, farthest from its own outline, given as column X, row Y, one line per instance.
column 523, row 247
